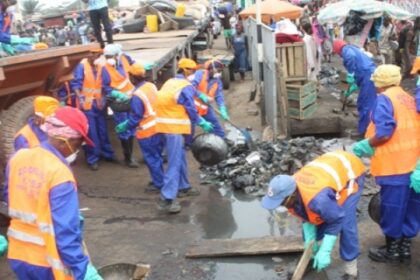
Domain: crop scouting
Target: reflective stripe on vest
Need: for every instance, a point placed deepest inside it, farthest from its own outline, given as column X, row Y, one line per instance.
column 330, row 170
column 172, row 121
column 350, row 172
column 119, row 81
column 92, row 86
column 25, row 237
column 148, row 125
column 46, row 228
column 58, row 265
column 148, row 95
column 28, row 218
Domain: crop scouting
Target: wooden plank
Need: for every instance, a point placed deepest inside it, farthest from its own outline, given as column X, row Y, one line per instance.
column 303, row 262
column 152, row 43
column 154, row 35
column 290, row 61
column 298, row 61
column 245, row 246
column 284, row 63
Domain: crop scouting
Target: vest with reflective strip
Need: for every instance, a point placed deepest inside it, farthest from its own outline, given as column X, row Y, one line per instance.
column 92, row 87
column 203, row 87
column 29, row 135
column 33, row 172
column 336, row 170
column 172, row 118
column 148, row 95
column 118, row 81
column 398, row 155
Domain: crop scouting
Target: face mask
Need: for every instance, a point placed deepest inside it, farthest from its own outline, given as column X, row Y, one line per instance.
column 111, row 61
column 217, row 75
column 71, row 158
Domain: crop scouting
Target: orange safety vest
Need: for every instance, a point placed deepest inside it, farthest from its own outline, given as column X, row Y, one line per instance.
column 29, row 135
column 148, row 95
column 33, row 173
column 337, row 170
column 399, row 155
column 172, row 118
column 203, row 87
column 118, row 81
column 92, row 88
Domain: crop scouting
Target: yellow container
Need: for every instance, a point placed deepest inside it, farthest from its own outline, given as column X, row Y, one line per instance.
column 152, row 23
column 180, row 10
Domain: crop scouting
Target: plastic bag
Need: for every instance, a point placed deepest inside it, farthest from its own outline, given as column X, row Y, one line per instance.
column 209, row 149
column 354, row 23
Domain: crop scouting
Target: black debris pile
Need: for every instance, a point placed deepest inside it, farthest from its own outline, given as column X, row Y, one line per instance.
column 329, row 75
column 251, row 171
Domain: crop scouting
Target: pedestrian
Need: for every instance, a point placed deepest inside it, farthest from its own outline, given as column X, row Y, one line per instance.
column 61, row 37
column 391, row 142
column 324, row 195
column 360, row 68
column 98, row 12
column 387, row 35
column 83, row 32
column 240, row 49
column 209, row 88
column 176, row 114
column 227, row 29
column 142, row 119
column 313, row 58
column 87, row 85
column 45, row 237
column 31, row 134
column 411, row 47
column 72, row 36
column 116, row 85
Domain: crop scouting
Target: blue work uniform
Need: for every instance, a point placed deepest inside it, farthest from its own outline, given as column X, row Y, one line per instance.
column 21, row 142
column 337, row 219
column 400, row 204
column 151, row 147
column 98, row 130
column 5, row 36
column 176, row 175
column 119, row 117
column 417, row 98
column 358, row 63
column 240, row 51
column 67, row 96
column 65, row 214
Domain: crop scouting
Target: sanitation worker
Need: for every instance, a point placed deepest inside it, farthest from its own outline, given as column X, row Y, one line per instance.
column 142, row 118
column 87, row 85
column 392, row 142
column 360, row 68
column 45, row 238
column 176, row 114
column 116, row 84
column 324, row 194
column 416, row 70
column 31, row 135
column 209, row 88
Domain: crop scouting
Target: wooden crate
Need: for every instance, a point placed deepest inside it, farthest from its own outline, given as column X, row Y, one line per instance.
column 292, row 59
column 295, row 113
column 302, row 99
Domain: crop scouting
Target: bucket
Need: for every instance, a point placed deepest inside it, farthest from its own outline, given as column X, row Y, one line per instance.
column 374, row 208
column 180, row 10
column 209, row 149
column 152, row 23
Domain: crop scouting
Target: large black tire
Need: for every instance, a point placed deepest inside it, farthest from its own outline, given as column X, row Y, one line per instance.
column 183, row 22
column 12, row 120
column 134, row 25
column 226, row 78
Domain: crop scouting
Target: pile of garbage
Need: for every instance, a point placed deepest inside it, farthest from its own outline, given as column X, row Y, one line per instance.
column 251, row 170
column 329, row 75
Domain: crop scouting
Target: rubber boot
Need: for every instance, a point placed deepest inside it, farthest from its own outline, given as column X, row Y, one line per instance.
column 132, row 162
column 125, row 143
column 390, row 253
column 405, row 250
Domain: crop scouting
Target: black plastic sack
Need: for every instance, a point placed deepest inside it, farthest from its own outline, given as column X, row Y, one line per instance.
column 209, row 149
column 375, row 208
column 354, row 23
column 119, row 106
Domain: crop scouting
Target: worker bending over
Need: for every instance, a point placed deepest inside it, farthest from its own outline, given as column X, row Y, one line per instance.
column 87, row 85
column 392, row 142
column 32, row 135
column 324, row 194
column 142, row 118
column 116, row 84
column 360, row 68
column 45, row 238
column 176, row 114
column 209, row 87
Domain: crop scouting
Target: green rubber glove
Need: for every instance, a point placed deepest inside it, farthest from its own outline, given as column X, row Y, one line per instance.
column 119, row 96
column 15, row 40
column 418, row 81
column 309, row 233
column 415, row 178
column 3, row 245
column 122, row 127
column 8, row 49
column 205, row 125
column 363, row 149
column 224, row 113
column 322, row 259
column 352, row 88
column 350, row 78
column 92, row 273
column 203, row 97
column 62, row 103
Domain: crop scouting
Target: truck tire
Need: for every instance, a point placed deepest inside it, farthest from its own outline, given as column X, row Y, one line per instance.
column 226, row 78
column 134, row 26
column 12, row 121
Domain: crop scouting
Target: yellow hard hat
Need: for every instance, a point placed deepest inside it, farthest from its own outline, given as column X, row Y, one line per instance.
column 387, row 75
column 40, row 46
column 45, row 106
column 186, row 63
column 416, row 66
column 137, row 69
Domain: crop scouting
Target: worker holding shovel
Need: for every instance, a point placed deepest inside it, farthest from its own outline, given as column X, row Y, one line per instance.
column 324, row 195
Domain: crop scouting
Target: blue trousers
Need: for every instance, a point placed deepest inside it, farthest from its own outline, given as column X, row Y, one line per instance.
column 400, row 211
column 365, row 101
column 25, row 271
column 176, row 174
column 98, row 132
column 152, row 148
column 212, row 118
column 120, row 117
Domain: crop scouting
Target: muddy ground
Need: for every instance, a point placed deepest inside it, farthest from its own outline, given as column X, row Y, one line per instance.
column 123, row 225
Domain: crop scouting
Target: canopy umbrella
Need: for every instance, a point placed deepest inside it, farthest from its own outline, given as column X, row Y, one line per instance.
column 337, row 12
column 273, row 9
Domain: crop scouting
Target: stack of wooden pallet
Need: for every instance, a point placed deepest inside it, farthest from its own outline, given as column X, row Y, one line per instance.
column 301, row 93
